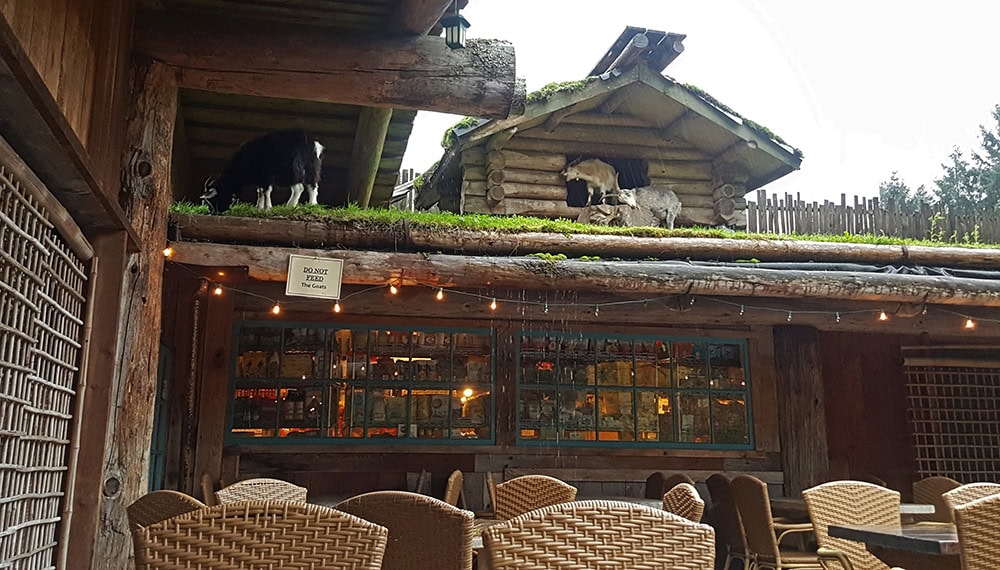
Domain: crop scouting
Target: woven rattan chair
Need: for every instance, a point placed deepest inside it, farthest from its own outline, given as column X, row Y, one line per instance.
column 683, row 500
column 968, row 493
column 530, row 492
column 599, row 534
column 675, row 479
column 424, row 532
column 453, row 491
column 656, row 485
column 764, row 535
column 160, row 505
column 978, row 525
column 491, row 492
column 257, row 535
column 929, row 491
column 261, row 490
column 849, row 503
column 732, row 540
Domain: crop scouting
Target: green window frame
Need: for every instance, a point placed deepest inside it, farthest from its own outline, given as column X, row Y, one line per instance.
column 300, row 382
column 644, row 391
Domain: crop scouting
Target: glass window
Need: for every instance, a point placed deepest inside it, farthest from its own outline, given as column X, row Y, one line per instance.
column 360, row 382
column 592, row 389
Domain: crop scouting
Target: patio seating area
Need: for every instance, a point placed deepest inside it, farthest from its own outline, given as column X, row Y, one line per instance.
column 539, row 521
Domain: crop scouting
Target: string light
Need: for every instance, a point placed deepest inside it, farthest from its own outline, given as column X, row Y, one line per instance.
column 493, row 304
column 393, row 289
column 276, row 309
column 741, row 310
column 692, row 301
column 168, row 251
column 970, row 324
column 545, row 309
column 217, row 291
column 789, row 318
column 440, row 294
column 597, row 310
column 336, row 306
column 882, row 316
column 838, row 316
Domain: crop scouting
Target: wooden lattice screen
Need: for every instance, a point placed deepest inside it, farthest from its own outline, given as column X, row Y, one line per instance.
column 954, row 409
column 41, row 326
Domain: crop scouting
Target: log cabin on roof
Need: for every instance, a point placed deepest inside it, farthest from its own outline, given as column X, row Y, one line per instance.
column 649, row 127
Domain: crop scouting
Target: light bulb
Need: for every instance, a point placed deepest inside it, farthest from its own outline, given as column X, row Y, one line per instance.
column 168, row 251
column 838, row 316
column 882, row 316
column 741, row 310
column 493, row 304
column 970, row 324
column 276, row 309
column 440, row 295
column 467, row 393
column 336, row 306
column 393, row 289
column 217, row 291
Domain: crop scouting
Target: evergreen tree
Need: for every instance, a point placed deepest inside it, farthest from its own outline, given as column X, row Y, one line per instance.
column 896, row 190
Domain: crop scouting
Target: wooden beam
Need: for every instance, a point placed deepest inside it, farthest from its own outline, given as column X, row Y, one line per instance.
column 616, row 100
column 301, row 63
column 651, row 277
column 226, row 229
column 213, row 387
column 35, row 127
column 146, row 180
column 670, row 131
column 733, row 152
column 369, row 140
column 419, row 16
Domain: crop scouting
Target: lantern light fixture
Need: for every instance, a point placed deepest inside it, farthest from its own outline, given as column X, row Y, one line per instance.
column 455, row 26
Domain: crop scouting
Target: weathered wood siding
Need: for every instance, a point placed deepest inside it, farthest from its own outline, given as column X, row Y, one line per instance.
column 80, row 49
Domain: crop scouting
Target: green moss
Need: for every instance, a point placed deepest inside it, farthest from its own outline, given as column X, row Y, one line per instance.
column 188, row 208
column 551, row 89
column 549, row 256
column 390, row 220
column 448, row 139
column 761, row 129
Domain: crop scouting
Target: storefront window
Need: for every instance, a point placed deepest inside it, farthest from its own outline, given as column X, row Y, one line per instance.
column 341, row 383
column 632, row 391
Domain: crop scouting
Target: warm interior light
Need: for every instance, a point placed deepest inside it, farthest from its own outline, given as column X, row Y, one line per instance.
column 440, row 295
column 276, row 309
column 222, row 274
column 970, row 324
column 493, row 304
column 467, row 393
column 336, row 306
column 393, row 289
column 882, row 316
column 168, row 251
column 217, row 291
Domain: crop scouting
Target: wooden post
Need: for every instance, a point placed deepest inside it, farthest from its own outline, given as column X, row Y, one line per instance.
column 369, row 139
column 801, row 411
column 146, row 175
column 213, row 387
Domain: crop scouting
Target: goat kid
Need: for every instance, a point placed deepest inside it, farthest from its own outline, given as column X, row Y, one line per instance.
column 601, row 178
column 658, row 199
column 287, row 158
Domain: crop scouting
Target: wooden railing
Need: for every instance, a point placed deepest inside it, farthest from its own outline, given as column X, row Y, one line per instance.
column 790, row 214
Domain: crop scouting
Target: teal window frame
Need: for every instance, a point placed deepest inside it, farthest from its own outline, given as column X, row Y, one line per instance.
column 323, row 382
column 674, row 391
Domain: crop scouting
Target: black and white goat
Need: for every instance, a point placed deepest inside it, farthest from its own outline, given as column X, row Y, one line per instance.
column 288, row 158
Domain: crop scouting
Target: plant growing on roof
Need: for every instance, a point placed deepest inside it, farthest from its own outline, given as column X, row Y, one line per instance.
column 449, row 139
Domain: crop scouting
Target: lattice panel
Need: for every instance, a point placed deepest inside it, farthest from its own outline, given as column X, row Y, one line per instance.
column 41, row 324
column 955, row 416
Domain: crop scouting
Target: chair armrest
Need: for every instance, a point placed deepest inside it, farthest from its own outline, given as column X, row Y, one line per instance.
column 828, row 554
column 786, row 529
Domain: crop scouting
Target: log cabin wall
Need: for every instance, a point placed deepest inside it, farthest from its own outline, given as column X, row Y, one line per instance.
column 520, row 173
column 346, row 467
column 80, row 49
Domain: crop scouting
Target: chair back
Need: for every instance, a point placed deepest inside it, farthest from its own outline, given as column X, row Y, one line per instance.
column 530, row 492
column 968, row 493
column 851, row 503
column 675, row 479
column 491, row 491
column 656, row 485
column 978, row 525
column 715, row 484
column 753, row 503
column 256, row 535
column 873, row 479
column 728, row 524
column 599, row 534
column 156, row 506
column 424, row 532
column 929, row 491
column 683, row 500
column 261, row 490
column 453, row 492
column 208, row 490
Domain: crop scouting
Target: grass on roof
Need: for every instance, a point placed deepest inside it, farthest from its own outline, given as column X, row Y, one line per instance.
column 389, row 220
column 752, row 124
column 448, row 139
column 550, row 89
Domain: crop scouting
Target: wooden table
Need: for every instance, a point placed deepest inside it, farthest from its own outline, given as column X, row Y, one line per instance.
column 795, row 509
column 914, row 547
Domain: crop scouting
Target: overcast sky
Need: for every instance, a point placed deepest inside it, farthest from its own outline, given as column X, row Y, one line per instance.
column 862, row 87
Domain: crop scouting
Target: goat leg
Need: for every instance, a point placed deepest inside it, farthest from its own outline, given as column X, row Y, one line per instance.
column 267, row 198
column 260, row 198
column 313, row 190
column 293, row 199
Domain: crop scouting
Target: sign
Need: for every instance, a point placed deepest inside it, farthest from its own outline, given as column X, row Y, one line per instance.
column 317, row 277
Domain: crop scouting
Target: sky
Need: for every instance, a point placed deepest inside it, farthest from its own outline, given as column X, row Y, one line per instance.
column 864, row 88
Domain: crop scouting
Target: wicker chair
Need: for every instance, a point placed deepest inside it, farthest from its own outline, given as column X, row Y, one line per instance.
column 599, row 534
column 530, row 492
column 491, row 491
column 729, row 528
column 424, row 532
column 160, row 505
column 850, row 503
column 257, row 535
column 762, row 533
column 261, row 490
column 930, row 491
column 453, row 492
column 968, row 493
column 978, row 525
column 656, row 485
column 683, row 500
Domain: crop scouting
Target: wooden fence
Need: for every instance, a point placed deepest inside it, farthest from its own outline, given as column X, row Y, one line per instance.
column 792, row 215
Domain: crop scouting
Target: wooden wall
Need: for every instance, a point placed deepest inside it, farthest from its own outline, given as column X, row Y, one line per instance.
column 80, row 49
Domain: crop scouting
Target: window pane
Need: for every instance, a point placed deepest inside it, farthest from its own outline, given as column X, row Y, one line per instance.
column 299, row 412
column 689, row 361
column 726, row 366
column 655, row 417
column 429, row 413
column 730, row 418
column 387, row 413
column 576, row 415
column 652, row 367
column 470, row 414
column 346, row 412
column 348, row 354
column 431, row 357
column 304, row 352
column 614, row 362
column 694, row 420
column 258, row 352
column 472, row 358
column 576, row 361
column 538, row 361
column 616, row 416
column 255, row 412
column 537, row 416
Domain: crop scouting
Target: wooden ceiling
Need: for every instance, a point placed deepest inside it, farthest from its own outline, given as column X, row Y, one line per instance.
column 359, row 15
